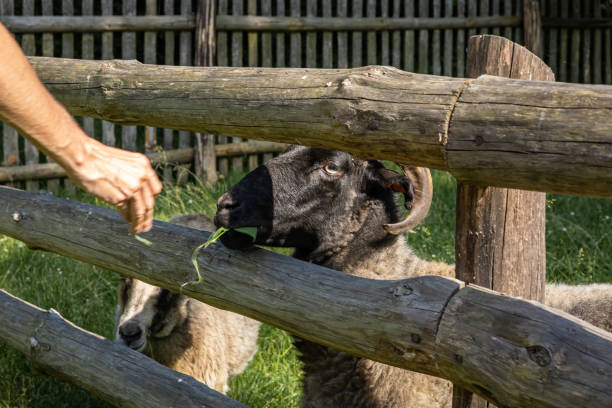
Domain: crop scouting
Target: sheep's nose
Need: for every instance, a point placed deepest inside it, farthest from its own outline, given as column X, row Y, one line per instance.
column 130, row 331
column 227, row 202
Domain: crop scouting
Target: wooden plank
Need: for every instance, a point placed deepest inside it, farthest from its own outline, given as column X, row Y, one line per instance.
column 10, row 137
column 311, row 37
column 342, row 36
column 266, row 37
column 586, row 47
column 150, row 57
column 494, row 344
column 169, row 48
column 252, row 160
column 253, row 49
column 409, row 38
column 108, row 128
column 448, row 41
column 371, row 40
column 185, row 59
column 28, row 43
column 87, row 53
column 128, row 52
column 597, row 45
column 508, row 12
column 237, row 58
column 553, row 43
column 423, row 40
column 500, row 235
column 357, row 36
column 436, row 47
column 575, row 43
column 495, row 11
column 385, row 57
column 295, row 53
column 396, row 39
column 563, row 44
column 280, row 37
column 48, row 51
column 460, row 41
column 484, row 11
column 532, row 26
column 327, row 52
column 472, row 11
column 223, row 61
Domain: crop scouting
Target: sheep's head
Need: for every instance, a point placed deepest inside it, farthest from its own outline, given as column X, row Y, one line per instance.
column 145, row 311
column 306, row 196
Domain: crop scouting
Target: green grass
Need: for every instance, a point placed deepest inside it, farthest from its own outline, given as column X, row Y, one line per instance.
column 578, row 243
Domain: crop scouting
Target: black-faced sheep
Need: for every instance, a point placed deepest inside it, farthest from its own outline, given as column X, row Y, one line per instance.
column 209, row 344
column 340, row 212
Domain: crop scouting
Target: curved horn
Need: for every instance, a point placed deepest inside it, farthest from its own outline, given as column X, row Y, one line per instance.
column 420, row 178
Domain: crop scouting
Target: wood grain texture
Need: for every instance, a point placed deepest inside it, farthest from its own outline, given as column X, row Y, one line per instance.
column 113, row 372
column 504, row 132
column 510, row 350
column 532, row 26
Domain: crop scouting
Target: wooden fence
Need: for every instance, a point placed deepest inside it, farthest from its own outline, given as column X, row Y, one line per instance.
column 413, row 35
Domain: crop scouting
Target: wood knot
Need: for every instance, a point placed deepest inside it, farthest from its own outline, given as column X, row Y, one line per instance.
column 540, row 355
column 18, row 216
column 415, row 338
column 479, row 140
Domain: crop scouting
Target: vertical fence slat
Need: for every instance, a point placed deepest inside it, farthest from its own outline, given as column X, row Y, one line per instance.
column 88, row 53
column 10, row 137
column 371, row 47
column 396, row 39
column 385, row 58
column 222, row 60
column 295, row 56
column 575, row 45
column 28, row 43
column 128, row 52
column 280, row 37
column 495, row 7
column 448, row 41
column 108, row 128
column 266, row 37
column 508, row 12
column 169, row 48
column 409, row 39
column 586, row 48
column 484, row 11
column 253, row 62
column 342, row 36
column 518, row 31
column 553, row 42
column 185, row 59
column 356, row 60
column 252, row 37
column 48, row 51
column 237, row 58
column 311, row 37
column 460, row 41
column 424, row 39
column 472, row 11
column 327, row 57
column 435, row 46
column 597, row 61
column 150, row 57
column 563, row 46
column 68, row 52
column 608, row 52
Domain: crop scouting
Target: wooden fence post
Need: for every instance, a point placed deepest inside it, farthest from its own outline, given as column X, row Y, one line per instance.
column 532, row 26
column 205, row 161
column 500, row 236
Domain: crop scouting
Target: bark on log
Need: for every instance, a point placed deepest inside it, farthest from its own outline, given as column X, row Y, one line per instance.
column 168, row 158
column 507, row 133
column 513, row 352
column 501, row 239
column 115, row 373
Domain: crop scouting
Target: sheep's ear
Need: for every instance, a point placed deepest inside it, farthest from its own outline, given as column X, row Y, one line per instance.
column 417, row 188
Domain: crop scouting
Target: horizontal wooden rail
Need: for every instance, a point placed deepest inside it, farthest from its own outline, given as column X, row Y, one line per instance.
column 63, row 24
column 53, row 170
column 113, row 372
column 495, row 131
column 540, row 357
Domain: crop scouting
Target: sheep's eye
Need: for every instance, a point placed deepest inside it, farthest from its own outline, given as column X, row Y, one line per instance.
column 331, row 169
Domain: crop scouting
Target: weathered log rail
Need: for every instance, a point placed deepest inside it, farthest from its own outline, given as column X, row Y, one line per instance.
column 531, row 135
column 170, row 157
column 513, row 352
column 89, row 24
column 111, row 371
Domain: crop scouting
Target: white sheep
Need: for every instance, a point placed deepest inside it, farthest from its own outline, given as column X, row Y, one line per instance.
column 339, row 211
column 209, row 344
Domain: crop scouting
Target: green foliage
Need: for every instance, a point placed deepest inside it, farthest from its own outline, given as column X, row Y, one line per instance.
column 578, row 242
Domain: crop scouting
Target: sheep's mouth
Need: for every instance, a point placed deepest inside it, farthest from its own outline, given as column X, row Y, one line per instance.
column 237, row 240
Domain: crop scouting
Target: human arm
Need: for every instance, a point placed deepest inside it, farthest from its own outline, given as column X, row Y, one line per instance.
column 121, row 178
